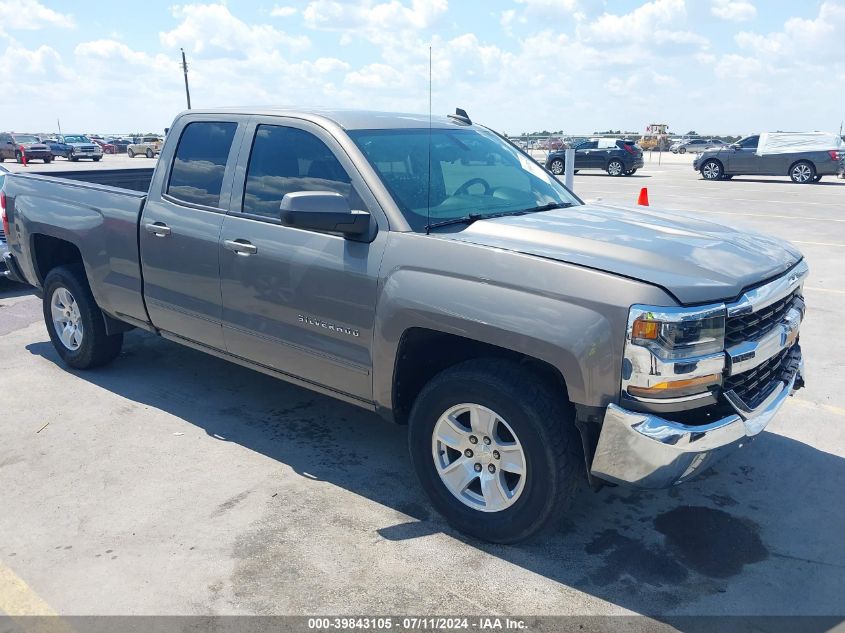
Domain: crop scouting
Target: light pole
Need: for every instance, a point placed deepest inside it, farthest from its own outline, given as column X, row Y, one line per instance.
column 185, row 70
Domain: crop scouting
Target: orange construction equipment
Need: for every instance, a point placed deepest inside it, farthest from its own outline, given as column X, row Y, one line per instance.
column 643, row 199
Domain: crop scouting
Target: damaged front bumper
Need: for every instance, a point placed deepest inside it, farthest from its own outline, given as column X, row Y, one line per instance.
column 644, row 450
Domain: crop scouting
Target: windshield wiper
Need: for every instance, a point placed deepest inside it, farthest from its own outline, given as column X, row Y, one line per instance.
column 469, row 218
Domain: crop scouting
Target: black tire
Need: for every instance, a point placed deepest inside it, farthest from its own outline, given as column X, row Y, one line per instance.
column 2, row 159
column 47, row 161
column 130, row 153
column 557, row 167
column 616, row 168
column 682, row 150
column 97, row 348
column 817, row 178
column 541, row 419
column 74, row 159
column 96, row 159
column 18, row 157
column 630, row 172
column 802, row 172
column 575, row 171
column 712, row 169
column 150, row 153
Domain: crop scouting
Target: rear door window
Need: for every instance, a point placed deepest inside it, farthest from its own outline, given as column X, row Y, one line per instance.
column 200, row 162
column 750, row 142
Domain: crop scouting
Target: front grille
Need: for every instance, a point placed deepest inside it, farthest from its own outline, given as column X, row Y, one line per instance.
column 2, row 235
column 754, row 385
column 750, row 327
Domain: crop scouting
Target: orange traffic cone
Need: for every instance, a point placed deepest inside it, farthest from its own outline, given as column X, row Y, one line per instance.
column 643, row 199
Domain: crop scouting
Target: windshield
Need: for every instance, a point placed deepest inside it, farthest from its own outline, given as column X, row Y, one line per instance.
column 473, row 171
column 21, row 138
column 76, row 139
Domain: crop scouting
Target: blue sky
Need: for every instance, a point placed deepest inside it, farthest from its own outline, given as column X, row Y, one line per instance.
column 722, row 66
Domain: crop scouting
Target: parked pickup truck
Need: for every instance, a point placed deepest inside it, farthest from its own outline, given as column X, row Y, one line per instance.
column 522, row 334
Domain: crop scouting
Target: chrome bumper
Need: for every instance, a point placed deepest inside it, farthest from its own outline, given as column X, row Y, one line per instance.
column 646, row 451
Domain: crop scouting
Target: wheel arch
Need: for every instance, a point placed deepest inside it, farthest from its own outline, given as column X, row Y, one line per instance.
column 423, row 353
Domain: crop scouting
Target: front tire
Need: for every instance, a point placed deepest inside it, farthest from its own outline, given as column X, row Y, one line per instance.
column 150, row 153
column 130, row 153
column 96, row 159
column 802, row 172
column 557, row 167
column 521, row 470
column 47, row 161
column 682, row 150
column 615, row 168
column 75, row 322
column 711, row 170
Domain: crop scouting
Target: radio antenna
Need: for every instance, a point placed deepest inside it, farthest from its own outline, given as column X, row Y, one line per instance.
column 428, row 190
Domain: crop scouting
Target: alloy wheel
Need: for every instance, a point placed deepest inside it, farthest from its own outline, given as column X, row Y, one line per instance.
column 478, row 457
column 67, row 320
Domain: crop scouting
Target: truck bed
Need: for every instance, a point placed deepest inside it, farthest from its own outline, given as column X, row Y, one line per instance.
column 88, row 210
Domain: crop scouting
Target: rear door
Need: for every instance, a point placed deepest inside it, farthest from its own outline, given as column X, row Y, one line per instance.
column 296, row 300
column 7, row 146
column 180, row 229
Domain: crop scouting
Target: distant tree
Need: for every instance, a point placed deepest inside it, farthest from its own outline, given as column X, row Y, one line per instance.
column 692, row 133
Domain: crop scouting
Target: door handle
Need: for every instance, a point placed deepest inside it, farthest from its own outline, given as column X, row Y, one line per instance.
column 241, row 247
column 159, row 229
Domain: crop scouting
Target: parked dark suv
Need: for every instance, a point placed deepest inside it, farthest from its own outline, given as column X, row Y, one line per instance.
column 16, row 146
column 615, row 156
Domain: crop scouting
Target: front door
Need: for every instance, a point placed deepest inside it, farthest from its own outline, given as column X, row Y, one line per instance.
column 296, row 300
column 745, row 160
column 180, row 232
column 587, row 155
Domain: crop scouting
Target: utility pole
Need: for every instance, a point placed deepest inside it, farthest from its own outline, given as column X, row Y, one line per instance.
column 185, row 70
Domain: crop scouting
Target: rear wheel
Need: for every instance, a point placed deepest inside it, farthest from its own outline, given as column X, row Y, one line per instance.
column 150, row 153
column 615, row 168
column 556, row 167
column 75, row 322
column 802, row 172
column 96, row 159
column 495, row 449
column 711, row 170
column 48, row 160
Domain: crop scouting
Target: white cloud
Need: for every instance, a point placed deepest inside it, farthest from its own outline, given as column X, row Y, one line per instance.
column 283, row 12
column 639, row 24
column 733, row 10
column 212, row 30
column 369, row 15
column 30, row 15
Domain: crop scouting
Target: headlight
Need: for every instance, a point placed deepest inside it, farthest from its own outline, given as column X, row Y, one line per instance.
column 678, row 334
column 674, row 352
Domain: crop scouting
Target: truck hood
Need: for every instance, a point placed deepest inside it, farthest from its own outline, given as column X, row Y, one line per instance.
column 694, row 260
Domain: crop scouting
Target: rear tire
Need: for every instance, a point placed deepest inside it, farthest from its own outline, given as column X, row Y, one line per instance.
column 528, row 414
column 130, row 153
column 802, row 172
column 615, row 168
column 96, row 159
column 93, row 347
column 47, row 161
column 556, row 167
column 150, row 153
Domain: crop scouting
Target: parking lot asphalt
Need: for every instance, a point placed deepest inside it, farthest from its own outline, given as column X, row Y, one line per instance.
column 171, row 482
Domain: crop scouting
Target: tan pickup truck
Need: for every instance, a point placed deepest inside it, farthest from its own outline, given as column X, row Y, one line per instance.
column 149, row 146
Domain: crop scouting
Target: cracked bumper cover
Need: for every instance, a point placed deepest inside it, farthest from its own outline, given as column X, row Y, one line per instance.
column 644, row 450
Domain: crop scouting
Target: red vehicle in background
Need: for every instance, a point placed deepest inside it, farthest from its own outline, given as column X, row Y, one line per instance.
column 107, row 148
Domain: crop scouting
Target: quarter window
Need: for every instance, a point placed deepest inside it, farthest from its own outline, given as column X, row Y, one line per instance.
column 197, row 174
column 284, row 160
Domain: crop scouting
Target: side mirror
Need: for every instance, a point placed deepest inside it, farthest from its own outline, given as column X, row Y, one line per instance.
column 323, row 211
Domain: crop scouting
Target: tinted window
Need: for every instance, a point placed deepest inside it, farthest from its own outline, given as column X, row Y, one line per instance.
column 750, row 142
column 197, row 174
column 285, row 160
column 588, row 145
